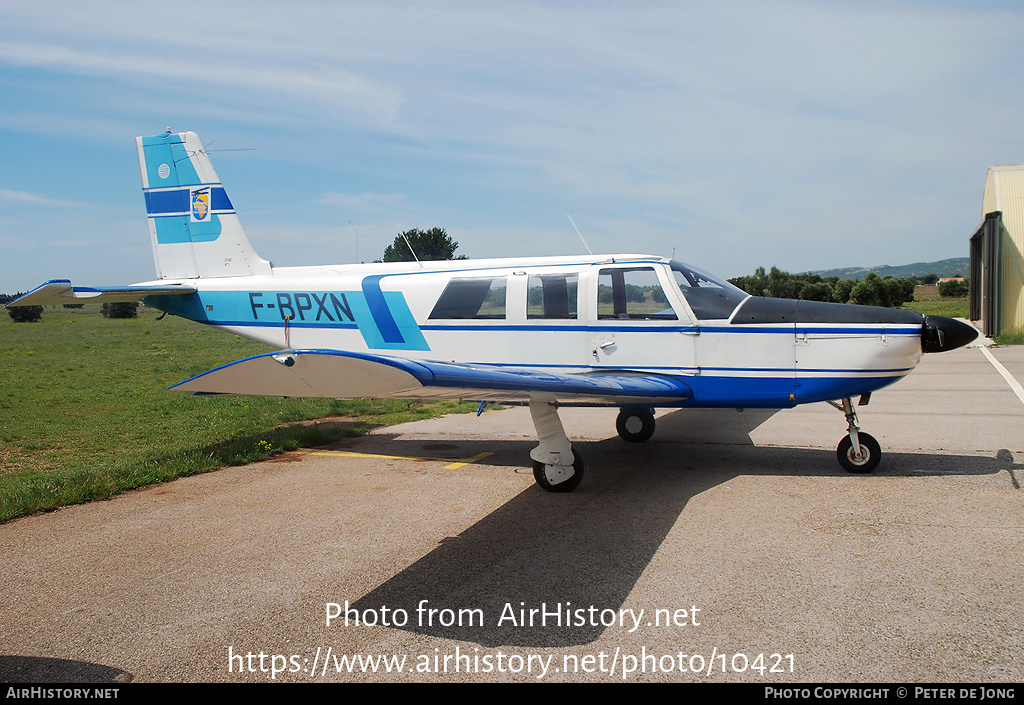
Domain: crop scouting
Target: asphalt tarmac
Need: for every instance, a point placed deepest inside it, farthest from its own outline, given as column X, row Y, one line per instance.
column 729, row 548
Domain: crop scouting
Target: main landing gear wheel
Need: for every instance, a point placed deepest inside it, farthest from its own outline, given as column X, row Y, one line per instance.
column 635, row 425
column 559, row 478
column 870, row 454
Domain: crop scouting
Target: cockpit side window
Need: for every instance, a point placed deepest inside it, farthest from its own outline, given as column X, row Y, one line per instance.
column 709, row 297
column 472, row 298
column 552, row 296
column 632, row 293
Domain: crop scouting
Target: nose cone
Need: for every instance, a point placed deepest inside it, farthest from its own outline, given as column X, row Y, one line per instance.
column 939, row 334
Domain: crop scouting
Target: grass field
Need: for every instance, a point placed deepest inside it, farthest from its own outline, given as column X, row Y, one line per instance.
column 85, row 412
column 927, row 301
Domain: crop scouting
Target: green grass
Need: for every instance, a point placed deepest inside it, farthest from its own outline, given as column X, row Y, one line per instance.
column 1013, row 336
column 85, row 412
column 928, row 301
column 952, row 308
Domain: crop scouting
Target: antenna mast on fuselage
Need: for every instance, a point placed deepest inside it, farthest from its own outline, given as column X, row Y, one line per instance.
column 410, row 249
column 579, row 233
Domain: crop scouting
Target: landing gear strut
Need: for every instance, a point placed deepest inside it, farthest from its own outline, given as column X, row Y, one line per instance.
column 556, row 466
column 857, row 452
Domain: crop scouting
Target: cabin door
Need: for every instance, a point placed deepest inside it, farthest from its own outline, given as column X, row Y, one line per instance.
column 638, row 321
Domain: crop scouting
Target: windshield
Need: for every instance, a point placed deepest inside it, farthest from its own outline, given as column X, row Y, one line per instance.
column 709, row 297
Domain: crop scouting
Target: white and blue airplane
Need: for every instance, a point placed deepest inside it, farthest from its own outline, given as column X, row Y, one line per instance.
column 632, row 331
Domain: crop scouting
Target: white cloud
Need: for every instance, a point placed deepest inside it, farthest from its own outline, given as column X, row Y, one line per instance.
column 816, row 130
column 324, row 86
column 362, row 201
column 35, row 199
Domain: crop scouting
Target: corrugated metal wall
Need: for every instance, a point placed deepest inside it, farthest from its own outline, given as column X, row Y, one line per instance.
column 1004, row 191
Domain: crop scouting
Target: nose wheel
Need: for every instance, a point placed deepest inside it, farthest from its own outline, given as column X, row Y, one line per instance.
column 863, row 462
column 857, row 452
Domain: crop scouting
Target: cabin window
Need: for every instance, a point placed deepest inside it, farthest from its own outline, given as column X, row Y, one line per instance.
column 709, row 297
column 632, row 293
column 472, row 298
column 552, row 296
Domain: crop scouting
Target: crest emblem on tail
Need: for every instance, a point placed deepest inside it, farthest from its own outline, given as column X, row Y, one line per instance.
column 200, row 204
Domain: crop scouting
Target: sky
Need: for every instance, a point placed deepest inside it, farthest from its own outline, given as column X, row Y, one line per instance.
column 803, row 135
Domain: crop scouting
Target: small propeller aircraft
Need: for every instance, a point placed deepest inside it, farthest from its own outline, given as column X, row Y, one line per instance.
column 632, row 331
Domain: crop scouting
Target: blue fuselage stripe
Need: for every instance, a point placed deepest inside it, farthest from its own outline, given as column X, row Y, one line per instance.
column 383, row 316
column 379, row 310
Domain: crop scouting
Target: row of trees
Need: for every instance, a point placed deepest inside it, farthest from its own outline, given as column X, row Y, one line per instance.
column 30, row 314
column 872, row 290
column 437, row 244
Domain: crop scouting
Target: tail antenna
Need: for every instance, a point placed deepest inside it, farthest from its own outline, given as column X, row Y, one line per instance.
column 579, row 233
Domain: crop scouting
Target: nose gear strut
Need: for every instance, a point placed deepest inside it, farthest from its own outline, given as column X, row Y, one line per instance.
column 857, row 452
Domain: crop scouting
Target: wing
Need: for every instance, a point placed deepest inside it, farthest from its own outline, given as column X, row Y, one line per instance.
column 61, row 291
column 340, row 374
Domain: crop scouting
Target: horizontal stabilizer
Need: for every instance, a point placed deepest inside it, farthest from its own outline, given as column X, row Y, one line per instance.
column 339, row 374
column 60, row 291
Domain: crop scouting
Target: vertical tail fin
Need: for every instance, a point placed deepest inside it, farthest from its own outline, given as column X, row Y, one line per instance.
column 193, row 226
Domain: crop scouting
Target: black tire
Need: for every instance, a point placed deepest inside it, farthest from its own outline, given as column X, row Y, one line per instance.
column 566, row 485
column 868, row 445
column 626, row 425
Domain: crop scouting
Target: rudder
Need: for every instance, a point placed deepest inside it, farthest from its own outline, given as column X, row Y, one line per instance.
column 193, row 227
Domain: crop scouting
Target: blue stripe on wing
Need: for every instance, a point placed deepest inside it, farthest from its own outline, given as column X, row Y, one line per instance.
column 61, row 291
column 451, row 375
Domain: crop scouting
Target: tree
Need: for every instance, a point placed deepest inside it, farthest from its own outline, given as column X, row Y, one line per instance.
column 635, row 294
column 890, row 292
column 25, row 314
column 842, row 289
column 123, row 309
column 755, row 285
column 433, row 244
column 816, row 291
column 954, row 289
column 900, row 291
column 780, row 284
column 872, row 291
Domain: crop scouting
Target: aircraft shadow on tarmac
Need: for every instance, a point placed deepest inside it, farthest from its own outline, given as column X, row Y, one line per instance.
column 589, row 547
column 35, row 669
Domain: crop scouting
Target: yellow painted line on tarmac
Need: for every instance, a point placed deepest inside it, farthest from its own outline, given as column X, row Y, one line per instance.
column 453, row 463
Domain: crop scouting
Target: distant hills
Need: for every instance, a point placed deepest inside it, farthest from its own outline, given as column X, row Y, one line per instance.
column 958, row 266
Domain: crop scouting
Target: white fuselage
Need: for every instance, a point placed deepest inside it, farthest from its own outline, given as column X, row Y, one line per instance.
column 407, row 309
